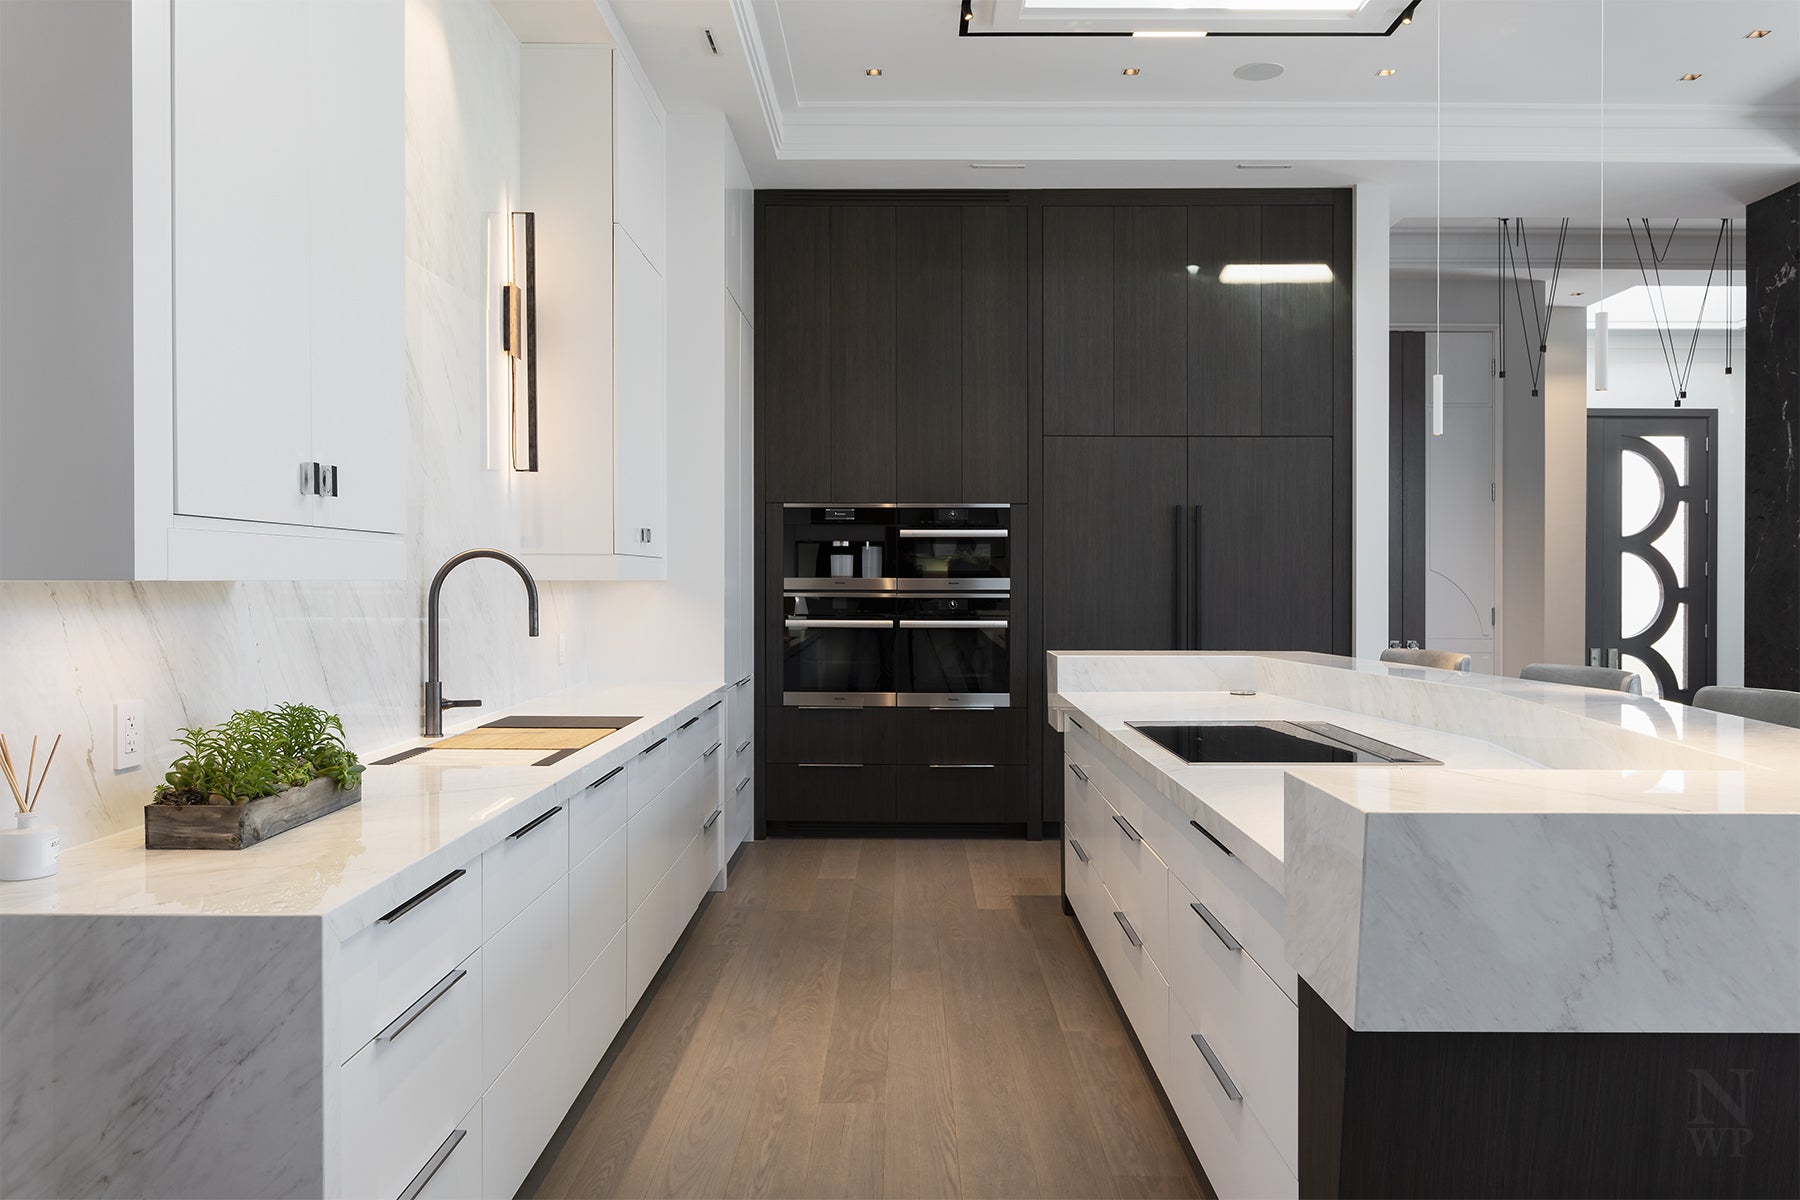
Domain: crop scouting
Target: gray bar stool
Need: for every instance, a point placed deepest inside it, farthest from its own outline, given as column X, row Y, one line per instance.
column 1443, row 660
column 1607, row 679
column 1755, row 704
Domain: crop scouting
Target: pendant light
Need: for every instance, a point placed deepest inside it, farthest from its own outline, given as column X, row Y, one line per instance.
column 1437, row 378
column 1602, row 319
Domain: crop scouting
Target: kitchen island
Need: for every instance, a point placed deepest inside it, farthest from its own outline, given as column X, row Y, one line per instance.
column 403, row 996
column 1563, row 959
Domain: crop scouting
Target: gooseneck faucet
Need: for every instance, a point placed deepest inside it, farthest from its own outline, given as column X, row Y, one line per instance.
column 435, row 704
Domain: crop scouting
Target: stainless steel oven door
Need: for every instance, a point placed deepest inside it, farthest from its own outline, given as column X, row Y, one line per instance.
column 954, row 652
column 838, row 651
column 964, row 549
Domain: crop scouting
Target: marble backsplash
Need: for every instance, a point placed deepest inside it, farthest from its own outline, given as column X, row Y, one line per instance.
column 195, row 652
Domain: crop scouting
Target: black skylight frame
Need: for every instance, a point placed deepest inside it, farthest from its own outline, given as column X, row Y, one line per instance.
column 966, row 18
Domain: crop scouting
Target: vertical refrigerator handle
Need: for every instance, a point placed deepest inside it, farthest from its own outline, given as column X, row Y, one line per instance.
column 1195, row 642
column 1180, row 580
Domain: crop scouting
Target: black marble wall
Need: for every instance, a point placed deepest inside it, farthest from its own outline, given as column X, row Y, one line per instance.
column 1771, row 433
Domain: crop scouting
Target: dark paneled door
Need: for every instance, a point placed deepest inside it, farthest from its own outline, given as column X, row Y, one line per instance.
column 928, row 364
column 862, row 354
column 1109, row 568
column 993, row 359
column 1262, row 524
column 1650, row 587
column 793, row 366
column 1224, row 334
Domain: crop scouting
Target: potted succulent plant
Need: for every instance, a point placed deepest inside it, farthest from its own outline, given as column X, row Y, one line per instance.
column 254, row 776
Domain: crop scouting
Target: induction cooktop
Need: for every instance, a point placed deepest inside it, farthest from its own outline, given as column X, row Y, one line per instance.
column 1271, row 742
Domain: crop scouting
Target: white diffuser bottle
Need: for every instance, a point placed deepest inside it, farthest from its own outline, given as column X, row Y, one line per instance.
column 28, row 852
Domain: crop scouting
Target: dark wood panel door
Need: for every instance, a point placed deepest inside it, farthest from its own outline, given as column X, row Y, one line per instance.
column 929, row 345
column 994, row 289
column 1150, row 320
column 1224, row 332
column 1262, row 531
column 1299, row 324
column 960, row 795
column 793, row 357
column 1078, row 320
column 828, row 793
column 862, row 355
column 1111, row 507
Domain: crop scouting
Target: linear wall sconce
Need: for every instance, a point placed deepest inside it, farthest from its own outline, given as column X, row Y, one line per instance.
column 518, row 337
column 1276, row 273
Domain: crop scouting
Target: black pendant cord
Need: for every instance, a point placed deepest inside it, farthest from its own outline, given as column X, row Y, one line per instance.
column 1500, row 285
column 1665, row 342
column 1519, row 300
column 1730, row 231
column 1541, row 317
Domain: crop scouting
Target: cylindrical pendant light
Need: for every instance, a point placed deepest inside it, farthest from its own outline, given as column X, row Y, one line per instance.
column 1437, row 406
column 1602, row 349
column 1437, row 378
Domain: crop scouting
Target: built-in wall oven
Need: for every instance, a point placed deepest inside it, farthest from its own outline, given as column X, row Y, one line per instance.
column 897, row 605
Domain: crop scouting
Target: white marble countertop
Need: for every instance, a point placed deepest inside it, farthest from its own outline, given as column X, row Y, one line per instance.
column 1582, row 860
column 417, row 821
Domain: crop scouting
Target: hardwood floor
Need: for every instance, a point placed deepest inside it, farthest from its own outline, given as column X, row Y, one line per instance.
column 874, row 1018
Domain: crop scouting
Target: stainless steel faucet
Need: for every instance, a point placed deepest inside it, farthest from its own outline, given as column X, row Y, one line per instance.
column 435, row 704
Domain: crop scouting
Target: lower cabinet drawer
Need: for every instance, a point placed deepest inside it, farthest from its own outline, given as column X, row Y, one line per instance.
column 525, row 1104
column 651, row 932
column 527, row 975
column 597, row 1008
column 1239, row 1158
column 1253, row 911
column 830, row 735
column 1081, row 877
column 995, row 735
column 654, row 768
column 695, row 732
column 1135, row 876
column 829, row 792
column 453, row 1172
column 1083, row 808
column 388, row 965
column 740, row 813
column 598, row 811
column 657, row 834
column 1135, row 978
column 597, row 902
column 948, row 794
column 1249, row 1022
column 404, row 1092
column 516, row 872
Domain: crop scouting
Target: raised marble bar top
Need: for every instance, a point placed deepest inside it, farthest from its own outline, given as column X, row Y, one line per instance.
column 1582, row 860
column 418, row 819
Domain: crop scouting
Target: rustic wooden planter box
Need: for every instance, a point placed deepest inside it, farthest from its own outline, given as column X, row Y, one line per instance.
column 234, row 826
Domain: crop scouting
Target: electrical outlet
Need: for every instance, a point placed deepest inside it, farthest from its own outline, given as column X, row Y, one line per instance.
column 128, row 734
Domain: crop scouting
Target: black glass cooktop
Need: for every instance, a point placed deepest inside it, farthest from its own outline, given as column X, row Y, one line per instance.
column 1270, row 742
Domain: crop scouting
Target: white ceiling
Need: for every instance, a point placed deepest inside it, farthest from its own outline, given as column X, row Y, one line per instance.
column 1520, row 118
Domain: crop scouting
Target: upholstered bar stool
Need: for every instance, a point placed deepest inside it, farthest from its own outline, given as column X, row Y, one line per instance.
column 1607, row 679
column 1756, row 704
column 1443, row 660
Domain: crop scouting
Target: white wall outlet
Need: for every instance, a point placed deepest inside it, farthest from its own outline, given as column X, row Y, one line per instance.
column 128, row 734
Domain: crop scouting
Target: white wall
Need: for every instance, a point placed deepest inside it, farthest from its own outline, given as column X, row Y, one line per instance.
column 1369, row 423
column 195, row 652
column 1565, row 489
column 1640, row 379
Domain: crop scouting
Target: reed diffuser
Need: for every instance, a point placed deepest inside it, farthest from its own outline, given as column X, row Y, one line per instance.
column 29, row 851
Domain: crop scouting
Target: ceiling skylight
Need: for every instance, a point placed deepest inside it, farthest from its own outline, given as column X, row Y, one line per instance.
column 1221, row 18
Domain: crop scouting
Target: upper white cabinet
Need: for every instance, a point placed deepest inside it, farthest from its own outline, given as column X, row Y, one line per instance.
column 253, row 158
column 639, row 158
column 591, row 169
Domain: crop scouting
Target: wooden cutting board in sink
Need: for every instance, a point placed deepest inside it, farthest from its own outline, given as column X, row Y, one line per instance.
column 523, row 739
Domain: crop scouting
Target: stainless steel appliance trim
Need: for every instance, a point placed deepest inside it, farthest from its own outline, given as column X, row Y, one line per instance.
column 430, row 1169
column 1213, row 923
column 963, row 766
column 954, row 531
column 964, row 701
column 973, row 583
column 838, row 699
column 987, row 504
column 418, row 1007
column 826, row 623
column 841, row 504
column 958, row 707
column 829, row 766
column 839, row 584
column 989, row 623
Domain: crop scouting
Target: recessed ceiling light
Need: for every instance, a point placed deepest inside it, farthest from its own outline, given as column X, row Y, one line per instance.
column 1131, row 71
column 1169, row 33
column 1257, row 72
column 1384, row 72
column 1690, row 77
column 872, row 72
column 1759, row 33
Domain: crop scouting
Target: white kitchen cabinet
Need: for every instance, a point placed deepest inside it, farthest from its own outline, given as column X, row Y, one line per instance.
column 525, row 1104
column 597, row 507
column 527, row 975
column 225, row 203
column 453, row 1172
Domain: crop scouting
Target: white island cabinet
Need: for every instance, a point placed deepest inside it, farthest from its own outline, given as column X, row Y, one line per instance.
column 401, row 998
column 211, row 384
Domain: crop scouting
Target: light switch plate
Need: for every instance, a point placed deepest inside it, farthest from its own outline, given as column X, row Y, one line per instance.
column 128, row 734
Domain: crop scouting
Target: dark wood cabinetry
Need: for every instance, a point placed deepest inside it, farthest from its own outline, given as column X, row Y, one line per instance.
column 1183, row 437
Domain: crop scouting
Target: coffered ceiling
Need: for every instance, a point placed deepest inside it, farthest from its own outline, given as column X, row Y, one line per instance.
column 1514, row 115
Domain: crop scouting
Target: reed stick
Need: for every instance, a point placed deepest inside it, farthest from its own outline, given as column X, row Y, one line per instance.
column 48, row 759
column 30, row 765
column 12, row 777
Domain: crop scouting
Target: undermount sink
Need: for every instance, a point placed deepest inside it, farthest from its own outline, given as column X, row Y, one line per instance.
column 542, row 739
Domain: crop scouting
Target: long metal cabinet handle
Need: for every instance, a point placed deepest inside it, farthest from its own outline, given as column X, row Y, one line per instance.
column 1130, row 832
column 711, row 819
column 962, row 766
column 1213, row 923
column 1180, row 574
column 657, row 744
column 422, row 897
column 988, row 624
column 1079, row 852
column 430, row 1169
column 1197, row 642
column 687, row 724
column 419, row 1006
column 743, row 746
column 713, row 751
column 792, row 623
column 526, row 828
column 1212, row 1060
column 601, row 782
column 742, row 784
column 832, row 766
column 1125, row 924
column 952, row 534
column 1079, row 773
column 1205, row 833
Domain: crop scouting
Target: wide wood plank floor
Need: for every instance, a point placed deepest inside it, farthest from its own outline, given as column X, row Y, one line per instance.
column 874, row 1018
